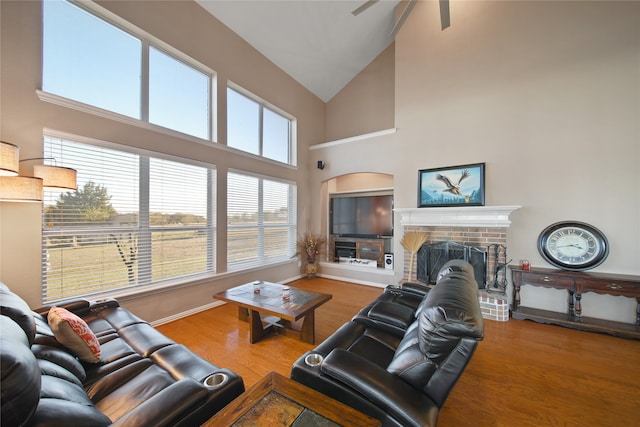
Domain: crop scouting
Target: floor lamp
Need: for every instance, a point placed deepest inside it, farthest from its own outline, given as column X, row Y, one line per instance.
column 16, row 188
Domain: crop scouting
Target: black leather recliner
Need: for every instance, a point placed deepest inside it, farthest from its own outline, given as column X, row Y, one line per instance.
column 395, row 309
column 142, row 378
column 403, row 379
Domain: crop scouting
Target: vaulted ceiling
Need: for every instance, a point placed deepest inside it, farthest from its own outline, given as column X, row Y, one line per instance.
column 320, row 43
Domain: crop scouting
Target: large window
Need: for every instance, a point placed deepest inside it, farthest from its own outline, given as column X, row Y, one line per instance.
column 256, row 128
column 90, row 60
column 134, row 220
column 261, row 218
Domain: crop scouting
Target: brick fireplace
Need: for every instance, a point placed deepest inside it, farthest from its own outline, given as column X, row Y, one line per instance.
column 483, row 227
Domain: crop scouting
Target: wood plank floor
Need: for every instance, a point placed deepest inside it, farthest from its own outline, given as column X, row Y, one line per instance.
column 523, row 374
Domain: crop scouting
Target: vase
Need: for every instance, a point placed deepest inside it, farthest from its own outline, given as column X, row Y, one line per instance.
column 311, row 269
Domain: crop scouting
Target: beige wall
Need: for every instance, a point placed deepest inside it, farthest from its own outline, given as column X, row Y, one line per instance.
column 361, row 182
column 366, row 103
column 186, row 27
column 547, row 94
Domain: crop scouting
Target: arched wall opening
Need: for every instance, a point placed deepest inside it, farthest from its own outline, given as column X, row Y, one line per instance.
column 360, row 183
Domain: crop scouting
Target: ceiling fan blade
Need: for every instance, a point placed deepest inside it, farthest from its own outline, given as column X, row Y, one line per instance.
column 364, row 6
column 403, row 17
column 445, row 18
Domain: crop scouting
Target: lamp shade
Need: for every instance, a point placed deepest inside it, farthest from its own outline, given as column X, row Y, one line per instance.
column 56, row 177
column 9, row 162
column 20, row 189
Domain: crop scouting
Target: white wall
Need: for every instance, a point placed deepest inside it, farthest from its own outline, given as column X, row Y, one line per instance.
column 547, row 94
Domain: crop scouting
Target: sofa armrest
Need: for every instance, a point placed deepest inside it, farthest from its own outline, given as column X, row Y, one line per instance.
column 101, row 304
column 80, row 306
column 389, row 392
column 168, row 406
column 394, row 314
column 77, row 306
column 416, row 288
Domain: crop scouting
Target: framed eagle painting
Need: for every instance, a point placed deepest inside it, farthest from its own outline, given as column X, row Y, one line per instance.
column 451, row 186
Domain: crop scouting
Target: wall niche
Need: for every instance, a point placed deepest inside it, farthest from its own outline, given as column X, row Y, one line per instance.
column 353, row 183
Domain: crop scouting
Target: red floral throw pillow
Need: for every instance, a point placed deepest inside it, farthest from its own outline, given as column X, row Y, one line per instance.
column 74, row 333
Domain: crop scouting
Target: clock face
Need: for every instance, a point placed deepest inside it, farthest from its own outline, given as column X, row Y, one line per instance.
column 572, row 245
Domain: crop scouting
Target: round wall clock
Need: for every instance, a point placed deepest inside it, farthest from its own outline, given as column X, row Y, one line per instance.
column 573, row 245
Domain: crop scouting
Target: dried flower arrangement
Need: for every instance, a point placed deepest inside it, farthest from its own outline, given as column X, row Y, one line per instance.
column 309, row 247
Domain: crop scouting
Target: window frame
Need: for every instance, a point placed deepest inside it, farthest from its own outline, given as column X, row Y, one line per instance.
column 292, row 224
column 147, row 41
column 144, row 229
column 262, row 105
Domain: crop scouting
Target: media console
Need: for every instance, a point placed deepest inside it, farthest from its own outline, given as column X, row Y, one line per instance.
column 361, row 248
column 576, row 283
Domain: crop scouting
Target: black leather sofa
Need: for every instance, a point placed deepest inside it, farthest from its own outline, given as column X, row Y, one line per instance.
column 142, row 378
column 400, row 356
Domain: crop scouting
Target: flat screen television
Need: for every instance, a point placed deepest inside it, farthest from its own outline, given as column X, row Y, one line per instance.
column 361, row 216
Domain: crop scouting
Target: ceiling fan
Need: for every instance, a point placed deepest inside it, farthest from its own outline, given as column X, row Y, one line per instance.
column 445, row 20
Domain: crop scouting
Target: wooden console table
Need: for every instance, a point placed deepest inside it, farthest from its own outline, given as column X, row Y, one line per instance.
column 576, row 283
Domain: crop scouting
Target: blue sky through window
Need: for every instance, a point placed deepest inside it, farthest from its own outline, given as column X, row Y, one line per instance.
column 183, row 107
column 244, row 116
column 89, row 60
column 276, row 136
column 243, row 122
column 94, row 62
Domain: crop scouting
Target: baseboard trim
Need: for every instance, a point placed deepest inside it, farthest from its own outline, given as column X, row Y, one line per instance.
column 201, row 308
column 186, row 313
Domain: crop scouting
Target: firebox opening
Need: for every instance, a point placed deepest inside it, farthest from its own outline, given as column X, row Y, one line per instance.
column 488, row 263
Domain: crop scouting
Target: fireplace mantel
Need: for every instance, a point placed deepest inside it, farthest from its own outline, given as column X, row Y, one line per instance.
column 468, row 216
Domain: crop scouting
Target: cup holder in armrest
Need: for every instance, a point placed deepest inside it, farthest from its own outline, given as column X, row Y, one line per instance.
column 313, row 359
column 216, row 380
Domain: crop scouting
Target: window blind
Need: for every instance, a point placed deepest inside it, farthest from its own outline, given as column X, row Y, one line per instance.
column 134, row 220
column 261, row 218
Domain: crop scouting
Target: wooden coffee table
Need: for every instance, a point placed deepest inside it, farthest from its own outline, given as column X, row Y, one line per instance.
column 279, row 401
column 267, row 311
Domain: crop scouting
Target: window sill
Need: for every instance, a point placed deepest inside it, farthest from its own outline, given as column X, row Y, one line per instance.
column 129, row 294
column 110, row 115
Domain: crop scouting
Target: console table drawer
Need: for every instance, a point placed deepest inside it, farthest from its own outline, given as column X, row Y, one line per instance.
column 612, row 287
column 549, row 280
